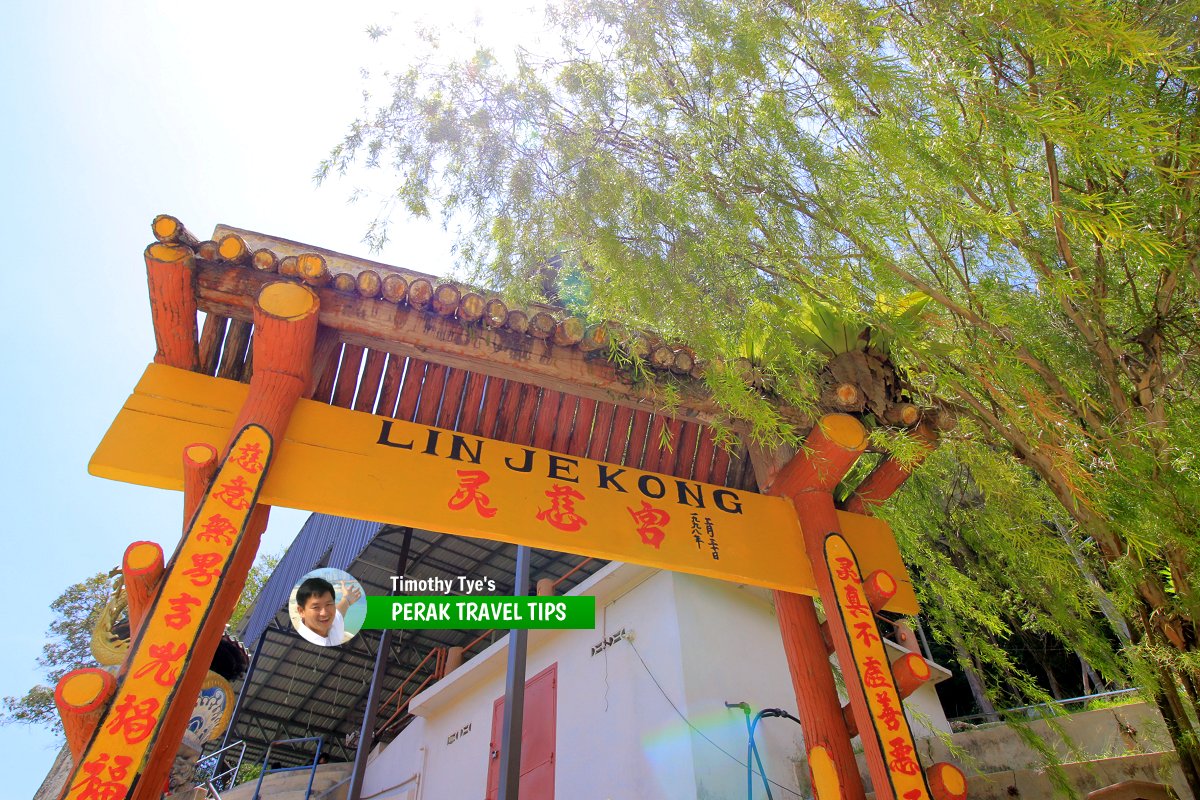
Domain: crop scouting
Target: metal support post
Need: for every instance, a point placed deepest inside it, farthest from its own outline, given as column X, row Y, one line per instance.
column 514, row 692
column 237, row 707
column 365, row 736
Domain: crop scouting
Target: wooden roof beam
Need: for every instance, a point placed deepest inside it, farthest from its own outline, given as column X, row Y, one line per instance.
column 230, row 291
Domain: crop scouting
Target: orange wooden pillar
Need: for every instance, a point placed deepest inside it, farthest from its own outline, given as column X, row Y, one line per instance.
column 285, row 325
column 169, row 270
column 808, row 480
column 81, row 697
column 125, row 737
column 889, row 475
column 945, row 780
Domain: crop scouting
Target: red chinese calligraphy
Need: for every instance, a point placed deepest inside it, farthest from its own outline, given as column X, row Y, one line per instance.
column 216, row 529
column 204, row 568
column 912, row 794
column 888, row 714
column 854, row 605
column 873, row 676
column 162, row 656
column 901, row 757
column 561, row 513
column 649, row 523
column 180, row 613
column 95, row 786
column 233, row 493
column 249, row 457
column 846, row 570
column 133, row 720
column 866, row 632
column 469, row 481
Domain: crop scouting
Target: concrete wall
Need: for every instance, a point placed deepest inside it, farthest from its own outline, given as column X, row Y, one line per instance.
column 1122, row 730
column 613, row 727
column 732, row 652
column 1095, row 749
column 621, row 728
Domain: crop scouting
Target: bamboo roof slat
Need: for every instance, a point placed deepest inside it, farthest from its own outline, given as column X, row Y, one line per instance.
column 431, row 394
column 670, row 454
column 685, row 463
column 549, row 416
column 468, row 417
column 411, row 392
column 452, row 399
column 564, row 422
column 348, row 372
column 602, row 425
column 233, row 352
column 705, row 447
column 211, row 335
column 368, row 387
column 323, row 392
column 655, row 452
column 636, row 442
column 581, row 431
column 720, row 465
column 489, row 413
column 389, row 392
column 520, row 425
column 614, row 448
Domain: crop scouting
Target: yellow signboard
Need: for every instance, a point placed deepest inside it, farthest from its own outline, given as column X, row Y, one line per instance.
column 117, row 753
column 352, row 464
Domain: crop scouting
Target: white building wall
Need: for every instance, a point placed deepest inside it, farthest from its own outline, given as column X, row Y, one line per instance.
column 620, row 730
column 732, row 652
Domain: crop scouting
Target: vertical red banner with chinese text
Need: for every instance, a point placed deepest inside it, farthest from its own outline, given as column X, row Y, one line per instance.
column 116, row 755
column 874, row 672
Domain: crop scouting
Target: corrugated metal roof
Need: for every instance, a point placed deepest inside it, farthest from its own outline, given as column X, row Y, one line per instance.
column 312, row 548
column 350, row 537
column 299, row 689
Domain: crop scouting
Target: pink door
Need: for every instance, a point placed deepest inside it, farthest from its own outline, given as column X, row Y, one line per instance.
column 537, row 738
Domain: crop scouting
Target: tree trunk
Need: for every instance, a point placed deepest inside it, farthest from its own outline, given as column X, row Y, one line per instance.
column 1180, row 727
column 969, row 672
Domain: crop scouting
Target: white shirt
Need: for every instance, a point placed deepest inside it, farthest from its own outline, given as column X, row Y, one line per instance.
column 337, row 632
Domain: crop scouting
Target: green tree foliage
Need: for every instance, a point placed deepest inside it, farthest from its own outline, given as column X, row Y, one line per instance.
column 1031, row 168
column 264, row 565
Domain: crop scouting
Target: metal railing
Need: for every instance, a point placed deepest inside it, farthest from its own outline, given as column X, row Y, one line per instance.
column 438, row 654
column 1040, row 710
column 312, row 767
column 217, row 757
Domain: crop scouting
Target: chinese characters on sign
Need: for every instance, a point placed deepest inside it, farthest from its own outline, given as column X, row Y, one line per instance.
column 123, row 739
column 874, row 673
column 561, row 514
column 103, row 778
column 650, row 522
column 468, row 493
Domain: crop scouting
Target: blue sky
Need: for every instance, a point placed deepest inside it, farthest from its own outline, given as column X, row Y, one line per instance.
column 115, row 112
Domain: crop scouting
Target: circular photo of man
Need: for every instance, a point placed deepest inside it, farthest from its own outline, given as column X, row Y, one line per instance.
column 328, row 607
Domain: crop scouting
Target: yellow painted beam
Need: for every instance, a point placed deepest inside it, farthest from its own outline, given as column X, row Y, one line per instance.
column 357, row 465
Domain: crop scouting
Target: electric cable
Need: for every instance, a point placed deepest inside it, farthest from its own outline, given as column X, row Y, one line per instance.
column 699, row 732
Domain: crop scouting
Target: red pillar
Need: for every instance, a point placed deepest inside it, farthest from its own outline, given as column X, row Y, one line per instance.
column 808, row 481
column 285, row 325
